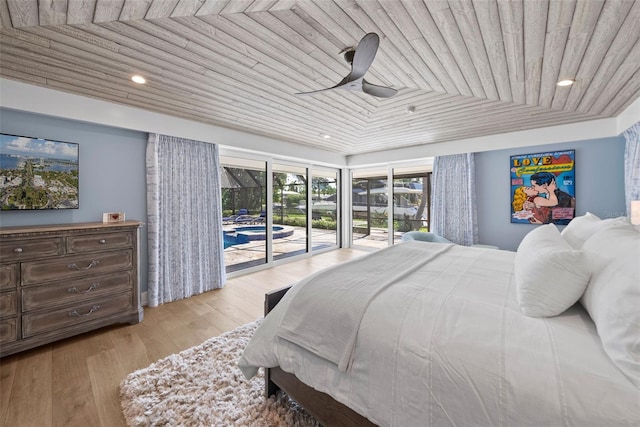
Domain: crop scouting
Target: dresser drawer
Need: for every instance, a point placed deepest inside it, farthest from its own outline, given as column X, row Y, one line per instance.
column 8, row 276
column 19, row 250
column 61, row 280
column 8, row 330
column 76, row 291
column 96, row 242
column 8, row 304
column 70, row 267
column 37, row 323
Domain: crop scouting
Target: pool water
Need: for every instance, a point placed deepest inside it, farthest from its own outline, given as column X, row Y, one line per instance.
column 248, row 233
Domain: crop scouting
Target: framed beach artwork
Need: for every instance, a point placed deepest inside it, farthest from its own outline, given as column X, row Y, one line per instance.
column 38, row 173
column 543, row 188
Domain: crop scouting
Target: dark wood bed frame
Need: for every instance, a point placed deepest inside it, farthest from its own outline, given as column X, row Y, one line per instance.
column 321, row 406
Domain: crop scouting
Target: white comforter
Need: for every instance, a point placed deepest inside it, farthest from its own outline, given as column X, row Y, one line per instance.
column 329, row 306
column 449, row 346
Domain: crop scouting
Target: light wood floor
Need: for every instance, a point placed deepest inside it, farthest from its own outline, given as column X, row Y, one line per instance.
column 75, row 382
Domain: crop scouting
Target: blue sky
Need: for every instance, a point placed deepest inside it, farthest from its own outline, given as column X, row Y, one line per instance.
column 24, row 146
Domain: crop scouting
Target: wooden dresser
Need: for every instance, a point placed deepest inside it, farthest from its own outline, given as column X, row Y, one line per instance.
column 57, row 281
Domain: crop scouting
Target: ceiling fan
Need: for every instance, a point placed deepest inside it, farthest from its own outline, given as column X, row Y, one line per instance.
column 360, row 59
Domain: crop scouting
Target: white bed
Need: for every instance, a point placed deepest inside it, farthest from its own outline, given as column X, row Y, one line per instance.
column 445, row 344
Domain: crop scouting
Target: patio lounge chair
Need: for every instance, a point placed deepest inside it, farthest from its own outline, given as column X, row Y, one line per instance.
column 251, row 219
column 258, row 220
column 231, row 219
column 244, row 219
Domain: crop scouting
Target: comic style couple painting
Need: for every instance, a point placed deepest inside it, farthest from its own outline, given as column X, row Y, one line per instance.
column 540, row 198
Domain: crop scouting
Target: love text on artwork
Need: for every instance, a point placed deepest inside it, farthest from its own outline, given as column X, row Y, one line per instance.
column 533, row 161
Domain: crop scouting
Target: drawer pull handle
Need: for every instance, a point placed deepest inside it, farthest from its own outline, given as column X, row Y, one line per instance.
column 75, row 313
column 93, row 263
column 75, row 290
column 17, row 250
column 102, row 241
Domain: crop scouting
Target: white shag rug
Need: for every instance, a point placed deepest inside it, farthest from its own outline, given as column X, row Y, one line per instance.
column 202, row 386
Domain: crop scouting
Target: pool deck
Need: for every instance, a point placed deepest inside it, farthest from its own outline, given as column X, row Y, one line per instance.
column 296, row 243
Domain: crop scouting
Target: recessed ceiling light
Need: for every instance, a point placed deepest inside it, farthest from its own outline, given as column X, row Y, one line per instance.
column 138, row 79
column 411, row 109
column 326, row 136
column 567, row 82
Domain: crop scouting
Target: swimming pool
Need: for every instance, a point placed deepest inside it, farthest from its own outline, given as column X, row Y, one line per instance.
column 249, row 233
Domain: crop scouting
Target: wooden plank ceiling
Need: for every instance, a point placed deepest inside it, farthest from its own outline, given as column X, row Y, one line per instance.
column 465, row 68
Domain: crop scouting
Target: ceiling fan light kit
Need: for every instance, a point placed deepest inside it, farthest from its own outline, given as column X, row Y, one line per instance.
column 360, row 59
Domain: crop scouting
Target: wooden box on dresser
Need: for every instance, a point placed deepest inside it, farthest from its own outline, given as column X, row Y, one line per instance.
column 57, row 281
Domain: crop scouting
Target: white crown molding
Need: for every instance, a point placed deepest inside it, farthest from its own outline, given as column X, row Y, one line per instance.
column 35, row 99
column 629, row 117
column 25, row 97
column 601, row 128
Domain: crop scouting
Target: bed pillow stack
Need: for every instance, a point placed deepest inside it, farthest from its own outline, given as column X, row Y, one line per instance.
column 550, row 275
column 581, row 228
column 597, row 262
column 612, row 298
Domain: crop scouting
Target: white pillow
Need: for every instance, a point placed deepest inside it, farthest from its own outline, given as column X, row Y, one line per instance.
column 613, row 295
column 581, row 228
column 550, row 275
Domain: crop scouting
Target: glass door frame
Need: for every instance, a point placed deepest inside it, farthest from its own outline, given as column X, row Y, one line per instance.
column 369, row 172
column 305, row 172
column 309, row 167
column 381, row 170
column 339, row 204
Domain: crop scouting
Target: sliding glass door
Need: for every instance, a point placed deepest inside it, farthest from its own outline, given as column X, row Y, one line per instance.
column 244, row 198
column 325, row 208
column 369, row 208
column 411, row 196
column 290, row 215
column 274, row 210
column 382, row 213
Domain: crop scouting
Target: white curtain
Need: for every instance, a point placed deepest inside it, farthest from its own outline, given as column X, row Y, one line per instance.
column 453, row 199
column 184, row 215
column 632, row 165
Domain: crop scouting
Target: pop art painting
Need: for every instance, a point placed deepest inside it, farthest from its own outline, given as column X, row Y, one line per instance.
column 543, row 188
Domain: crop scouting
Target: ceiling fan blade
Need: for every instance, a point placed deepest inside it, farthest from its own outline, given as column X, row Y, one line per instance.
column 361, row 59
column 347, row 82
column 379, row 91
column 322, row 90
column 314, row 91
column 364, row 54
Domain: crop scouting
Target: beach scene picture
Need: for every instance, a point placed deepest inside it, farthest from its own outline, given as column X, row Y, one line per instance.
column 38, row 173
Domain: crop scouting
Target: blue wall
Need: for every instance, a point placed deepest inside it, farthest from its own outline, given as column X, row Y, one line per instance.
column 112, row 178
column 112, row 173
column 599, row 186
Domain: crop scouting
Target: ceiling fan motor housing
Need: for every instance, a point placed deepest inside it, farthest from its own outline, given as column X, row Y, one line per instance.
column 348, row 55
column 360, row 59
